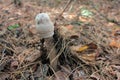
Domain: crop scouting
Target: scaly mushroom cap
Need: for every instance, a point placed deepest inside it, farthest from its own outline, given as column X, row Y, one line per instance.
column 44, row 25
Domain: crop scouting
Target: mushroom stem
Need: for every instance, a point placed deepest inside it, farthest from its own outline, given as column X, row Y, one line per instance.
column 42, row 42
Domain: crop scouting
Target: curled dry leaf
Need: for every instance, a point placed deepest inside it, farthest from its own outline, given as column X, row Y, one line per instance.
column 115, row 43
column 14, row 65
column 29, row 55
column 69, row 16
column 118, row 75
column 75, row 48
column 63, row 30
column 19, row 49
column 22, row 56
column 68, row 32
column 66, row 69
column 4, row 76
column 89, row 57
column 79, row 75
column 60, row 75
column 116, row 67
column 32, row 30
column 34, row 55
column 80, row 48
column 116, row 33
column 109, row 69
column 69, row 27
column 87, row 53
column 84, row 19
column 95, row 76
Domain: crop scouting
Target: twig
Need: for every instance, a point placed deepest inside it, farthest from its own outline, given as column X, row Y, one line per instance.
column 105, row 17
column 66, row 6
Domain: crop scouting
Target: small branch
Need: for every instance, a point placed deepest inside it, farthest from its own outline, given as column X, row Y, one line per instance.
column 66, row 6
column 105, row 17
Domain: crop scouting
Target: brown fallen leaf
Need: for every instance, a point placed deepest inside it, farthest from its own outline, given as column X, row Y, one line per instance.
column 68, row 32
column 83, row 48
column 84, row 19
column 116, row 67
column 66, row 69
column 115, row 43
column 69, row 27
column 34, row 55
column 69, row 16
column 14, row 64
column 118, row 75
column 79, row 75
column 22, row 56
column 60, row 75
column 87, row 53
column 33, row 30
column 109, row 70
column 116, row 33
column 29, row 55
column 4, row 76
column 75, row 48
column 80, row 48
column 96, row 76
column 89, row 57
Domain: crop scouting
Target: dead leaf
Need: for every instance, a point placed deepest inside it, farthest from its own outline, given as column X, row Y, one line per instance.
column 92, row 46
column 80, row 48
column 69, row 27
column 116, row 67
column 75, row 48
column 29, row 55
column 33, row 30
column 117, row 33
column 115, row 43
column 84, row 19
column 87, row 53
column 33, row 56
column 118, row 75
column 14, row 64
column 109, row 69
column 4, row 76
column 110, row 24
column 69, row 16
column 2, row 65
column 68, row 32
column 89, row 58
column 18, row 50
column 66, row 69
column 95, row 76
column 59, row 75
column 63, row 30
column 79, row 75
column 22, row 56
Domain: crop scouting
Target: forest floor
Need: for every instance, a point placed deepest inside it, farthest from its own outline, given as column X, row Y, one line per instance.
column 89, row 46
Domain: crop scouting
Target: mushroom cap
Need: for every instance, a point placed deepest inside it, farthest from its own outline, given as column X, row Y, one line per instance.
column 44, row 25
